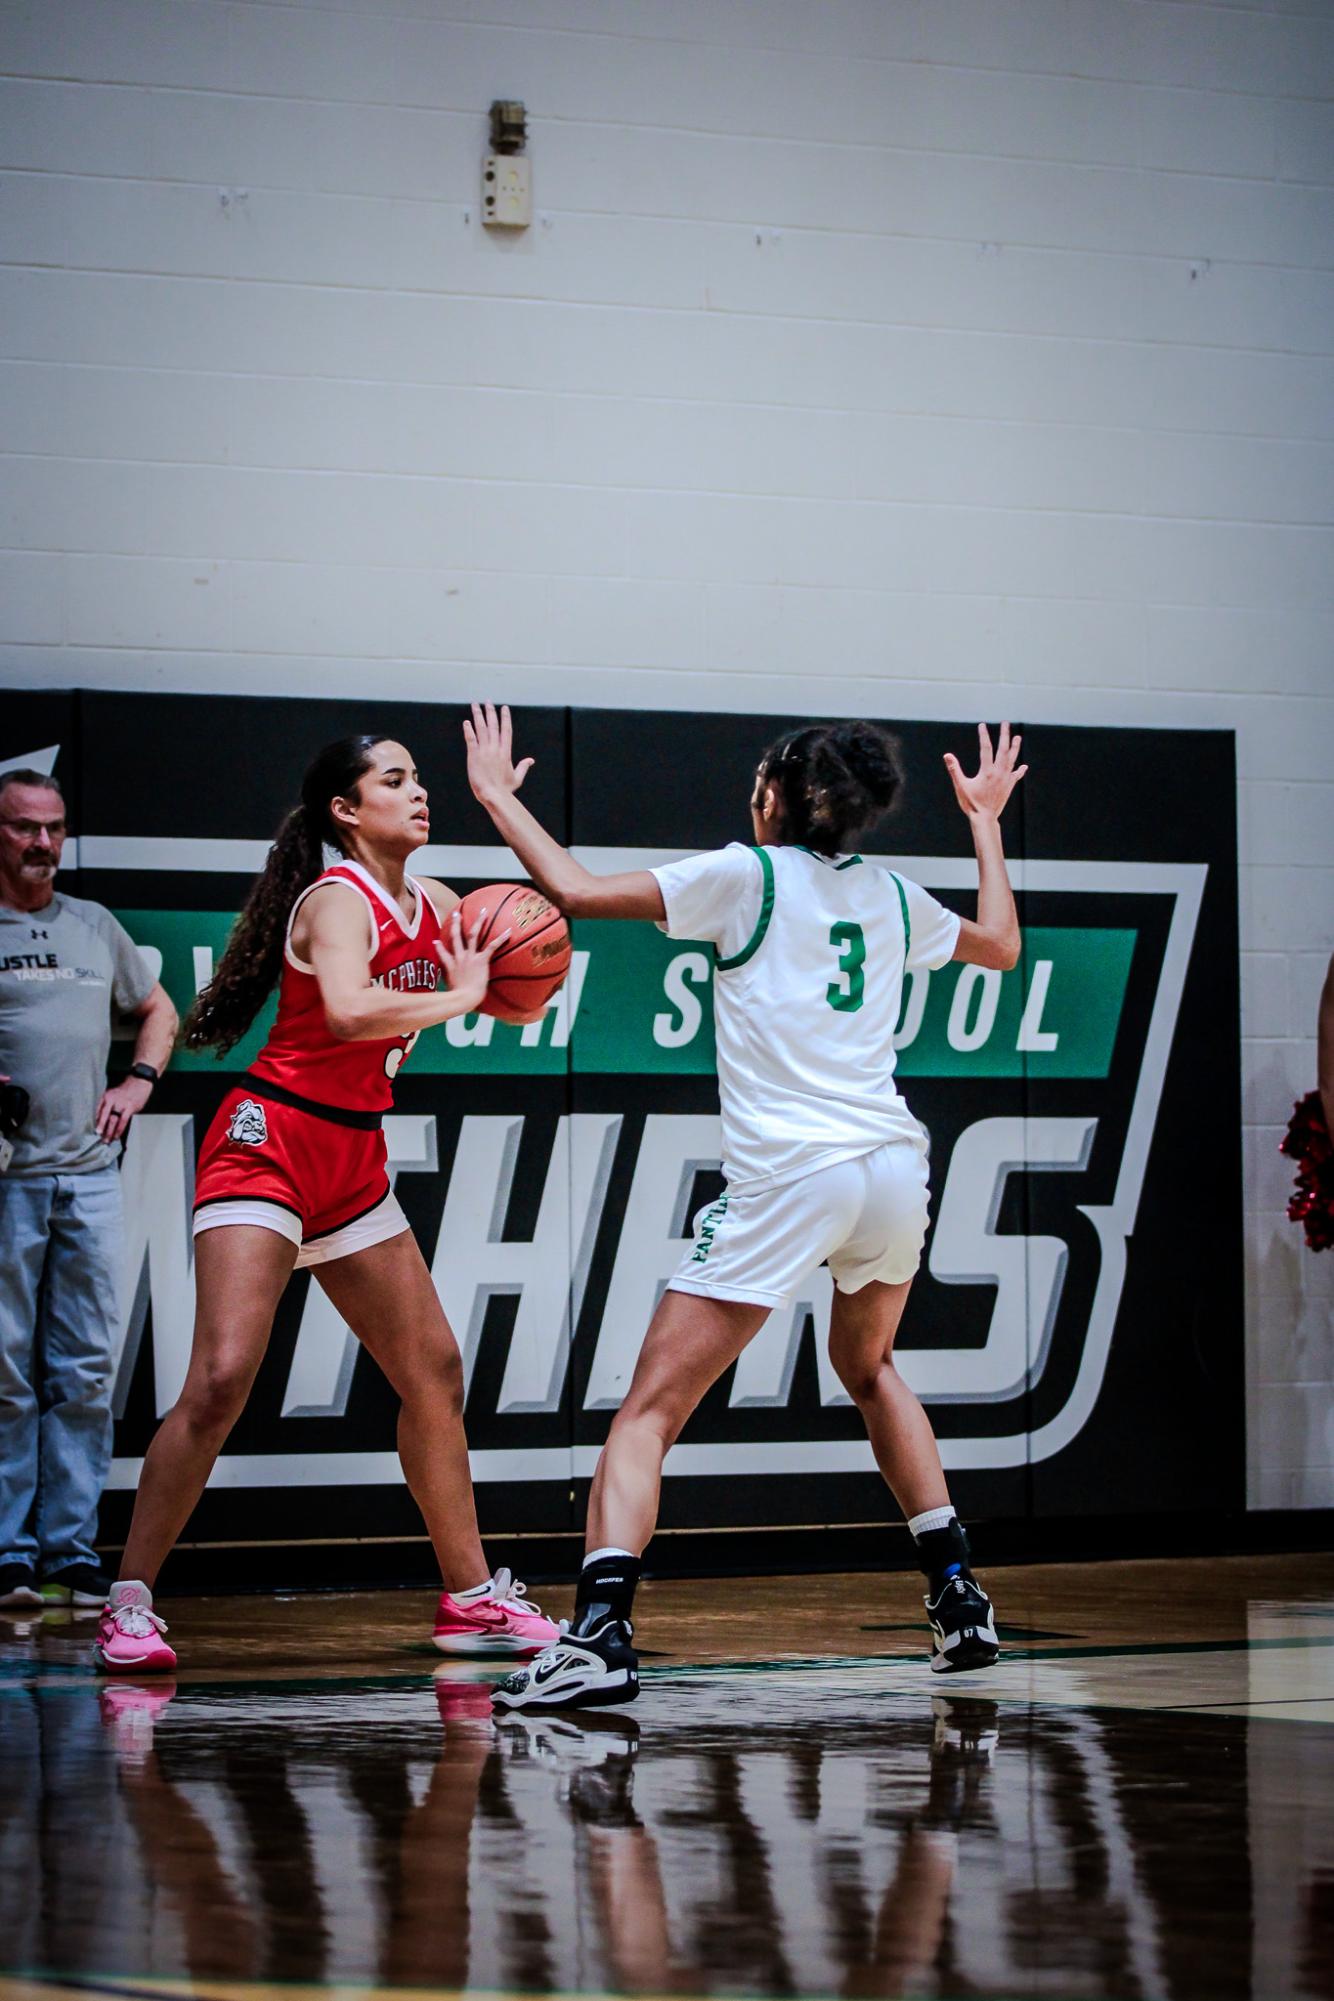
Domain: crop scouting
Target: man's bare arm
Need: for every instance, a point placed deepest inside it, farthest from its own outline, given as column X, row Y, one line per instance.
column 153, row 1044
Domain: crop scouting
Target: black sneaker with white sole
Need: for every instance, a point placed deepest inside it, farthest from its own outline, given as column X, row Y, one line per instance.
column 18, row 1586
column 583, row 1672
column 963, row 1626
column 81, row 1584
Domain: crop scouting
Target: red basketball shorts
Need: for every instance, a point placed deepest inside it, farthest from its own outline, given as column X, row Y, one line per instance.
column 321, row 1184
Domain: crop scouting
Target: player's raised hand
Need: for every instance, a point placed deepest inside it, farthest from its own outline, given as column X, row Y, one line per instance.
column 467, row 964
column 491, row 767
column 997, row 774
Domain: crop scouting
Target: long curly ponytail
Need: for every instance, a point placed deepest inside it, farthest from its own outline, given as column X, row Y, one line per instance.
column 249, row 968
column 835, row 780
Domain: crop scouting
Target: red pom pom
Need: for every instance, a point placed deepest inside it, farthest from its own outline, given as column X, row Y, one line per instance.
column 1307, row 1142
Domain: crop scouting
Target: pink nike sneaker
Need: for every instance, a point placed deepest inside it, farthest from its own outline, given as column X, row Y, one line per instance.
column 493, row 1620
column 129, row 1636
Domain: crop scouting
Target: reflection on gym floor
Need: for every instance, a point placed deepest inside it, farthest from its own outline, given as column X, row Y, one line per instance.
column 772, row 1833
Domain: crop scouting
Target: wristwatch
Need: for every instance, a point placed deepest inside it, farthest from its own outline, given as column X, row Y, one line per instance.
column 144, row 1070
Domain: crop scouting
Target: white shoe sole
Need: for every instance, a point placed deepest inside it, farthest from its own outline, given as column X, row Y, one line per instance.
column 951, row 1663
column 618, row 1686
column 143, row 1665
column 20, row 1600
column 486, row 1643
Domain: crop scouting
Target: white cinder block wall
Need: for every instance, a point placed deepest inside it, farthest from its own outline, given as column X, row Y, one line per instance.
column 932, row 357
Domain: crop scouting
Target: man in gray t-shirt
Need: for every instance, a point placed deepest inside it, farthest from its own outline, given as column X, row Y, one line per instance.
column 64, row 966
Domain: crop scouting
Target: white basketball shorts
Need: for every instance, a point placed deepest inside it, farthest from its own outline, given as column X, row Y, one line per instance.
column 385, row 1220
column 866, row 1217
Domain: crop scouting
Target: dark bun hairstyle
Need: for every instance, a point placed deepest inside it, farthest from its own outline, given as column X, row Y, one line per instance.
column 835, row 780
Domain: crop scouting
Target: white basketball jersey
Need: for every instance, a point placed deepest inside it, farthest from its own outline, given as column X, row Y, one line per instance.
column 807, row 1000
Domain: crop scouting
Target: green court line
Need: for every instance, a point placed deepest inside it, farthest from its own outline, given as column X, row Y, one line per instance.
column 1008, row 1655
column 74, row 1679
column 1167, row 1647
column 1245, row 1702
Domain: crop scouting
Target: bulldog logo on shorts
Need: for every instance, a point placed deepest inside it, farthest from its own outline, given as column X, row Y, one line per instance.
column 249, row 1124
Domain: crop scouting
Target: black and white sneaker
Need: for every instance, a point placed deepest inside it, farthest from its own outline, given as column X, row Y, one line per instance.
column 18, row 1586
column 576, row 1673
column 963, row 1626
column 79, row 1584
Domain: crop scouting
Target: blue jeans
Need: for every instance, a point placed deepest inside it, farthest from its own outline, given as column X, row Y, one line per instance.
column 62, row 1240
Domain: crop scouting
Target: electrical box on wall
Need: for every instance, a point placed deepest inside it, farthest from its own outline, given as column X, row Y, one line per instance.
column 507, row 191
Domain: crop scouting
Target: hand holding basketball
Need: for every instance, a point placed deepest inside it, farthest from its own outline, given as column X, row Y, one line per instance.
column 467, row 960
column 530, row 960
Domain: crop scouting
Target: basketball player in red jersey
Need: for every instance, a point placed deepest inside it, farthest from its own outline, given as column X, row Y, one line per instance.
column 292, row 1176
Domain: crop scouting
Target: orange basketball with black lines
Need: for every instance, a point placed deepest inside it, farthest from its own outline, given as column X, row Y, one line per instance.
column 532, row 963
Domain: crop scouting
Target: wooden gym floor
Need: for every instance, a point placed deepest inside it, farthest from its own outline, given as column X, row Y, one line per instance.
column 1137, row 1801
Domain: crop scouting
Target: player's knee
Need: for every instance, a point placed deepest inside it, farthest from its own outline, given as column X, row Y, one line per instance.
column 215, row 1393
column 862, row 1376
column 657, row 1418
column 667, row 1426
column 437, row 1376
column 448, row 1367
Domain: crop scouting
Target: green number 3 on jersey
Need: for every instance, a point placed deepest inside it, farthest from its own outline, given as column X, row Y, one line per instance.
column 847, row 992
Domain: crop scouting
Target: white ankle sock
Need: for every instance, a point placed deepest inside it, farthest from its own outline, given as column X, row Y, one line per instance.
column 482, row 1590
column 596, row 1555
column 934, row 1518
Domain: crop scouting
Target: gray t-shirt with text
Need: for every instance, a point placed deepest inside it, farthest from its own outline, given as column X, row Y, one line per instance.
column 62, row 970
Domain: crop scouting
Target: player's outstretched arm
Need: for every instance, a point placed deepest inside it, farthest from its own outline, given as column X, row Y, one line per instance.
column 994, row 939
column 495, row 780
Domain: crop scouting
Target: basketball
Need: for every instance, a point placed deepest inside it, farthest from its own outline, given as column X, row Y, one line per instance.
column 533, row 961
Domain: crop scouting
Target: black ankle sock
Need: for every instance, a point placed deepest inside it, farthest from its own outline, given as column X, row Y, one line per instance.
column 943, row 1553
column 606, row 1590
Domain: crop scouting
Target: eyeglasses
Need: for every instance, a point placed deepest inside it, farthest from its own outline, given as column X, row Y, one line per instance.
column 28, row 830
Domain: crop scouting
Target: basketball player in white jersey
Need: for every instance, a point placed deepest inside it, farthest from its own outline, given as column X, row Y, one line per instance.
column 823, row 1159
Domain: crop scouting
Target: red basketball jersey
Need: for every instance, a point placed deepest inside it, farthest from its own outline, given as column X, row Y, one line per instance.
column 302, row 1054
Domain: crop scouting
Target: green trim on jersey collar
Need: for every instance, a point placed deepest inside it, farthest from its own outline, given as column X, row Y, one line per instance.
column 756, row 939
column 851, row 861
